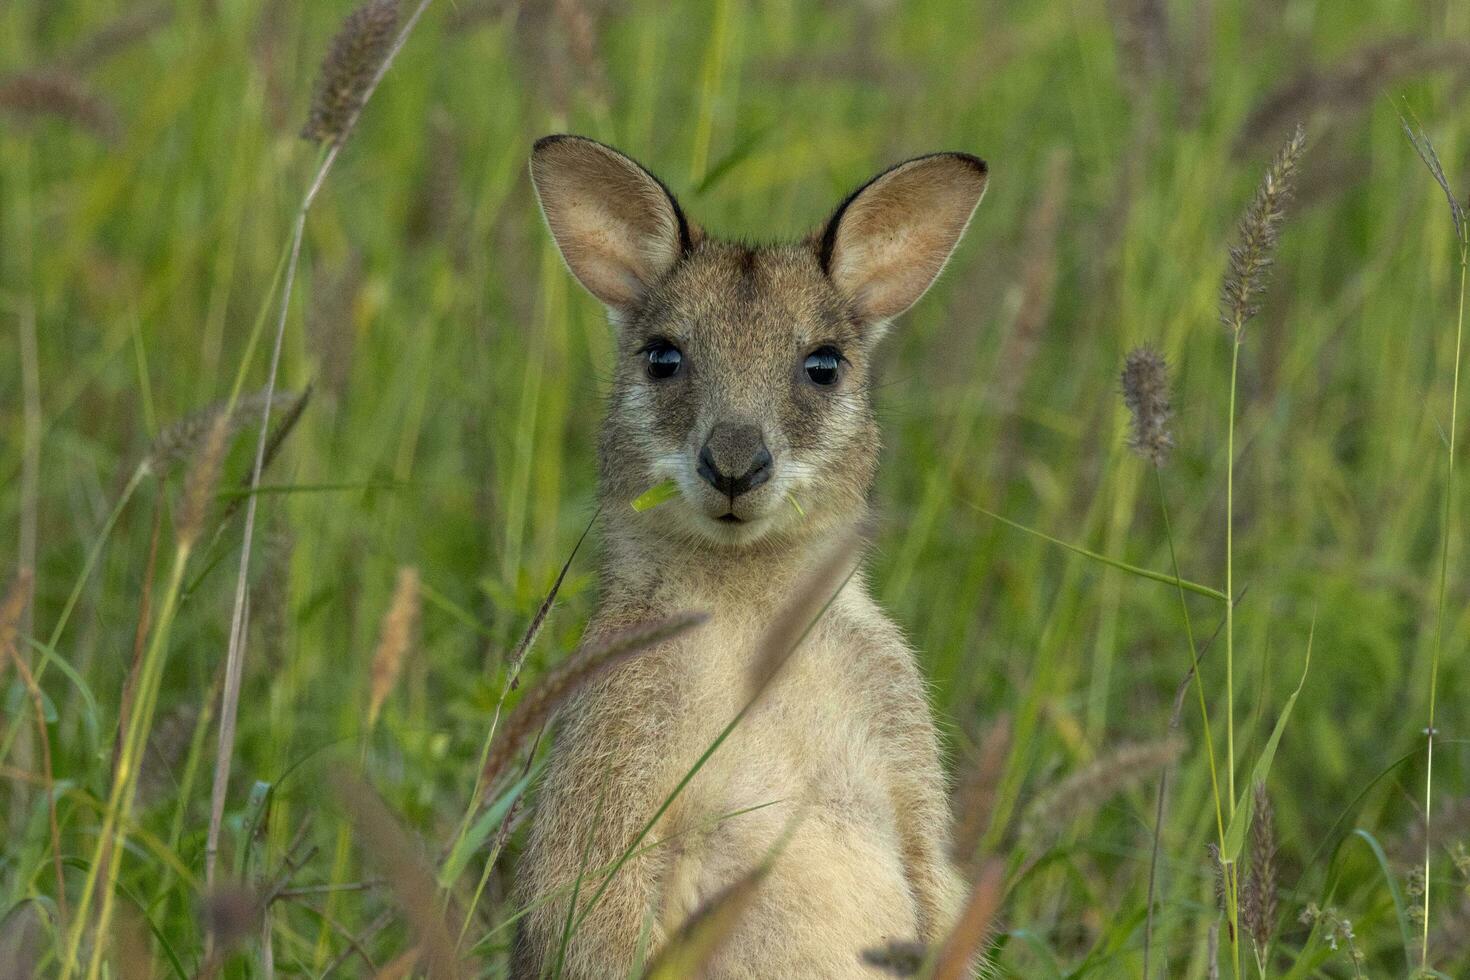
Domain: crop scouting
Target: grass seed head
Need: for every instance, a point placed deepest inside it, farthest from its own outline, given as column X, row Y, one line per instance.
column 395, row 639
column 60, row 95
column 902, row 958
column 347, row 72
column 1257, row 236
column 1084, row 791
column 202, row 480
column 1146, row 393
column 1258, row 894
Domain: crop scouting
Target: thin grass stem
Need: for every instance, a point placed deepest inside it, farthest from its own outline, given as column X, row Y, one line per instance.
column 1444, row 567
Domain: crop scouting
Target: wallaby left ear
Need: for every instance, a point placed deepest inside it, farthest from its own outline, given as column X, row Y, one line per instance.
column 890, row 239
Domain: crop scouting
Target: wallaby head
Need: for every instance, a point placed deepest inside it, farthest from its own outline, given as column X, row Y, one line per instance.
column 743, row 373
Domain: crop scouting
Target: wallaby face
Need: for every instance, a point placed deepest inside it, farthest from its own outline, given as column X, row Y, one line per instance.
column 743, row 373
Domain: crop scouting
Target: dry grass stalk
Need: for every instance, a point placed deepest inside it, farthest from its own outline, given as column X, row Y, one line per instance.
column 1146, row 393
column 202, row 480
column 387, row 844
column 959, row 952
column 1259, row 230
column 356, row 54
column 699, row 939
column 34, row 95
column 1354, row 83
column 818, row 588
column 1258, row 894
column 1084, row 791
column 395, row 639
column 588, row 663
column 235, row 653
column 13, row 607
column 1212, row 952
column 17, row 599
column 1036, row 284
column 1141, row 32
column 975, row 794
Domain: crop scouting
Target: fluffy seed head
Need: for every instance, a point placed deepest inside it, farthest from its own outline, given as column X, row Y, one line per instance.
column 183, row 439
column 1258, row 234
column 203, row 478
column 34, row 95
column 394, row 640
column 347, row 72
column 1087, row 789
column 1146, row 393
column 1258, row 895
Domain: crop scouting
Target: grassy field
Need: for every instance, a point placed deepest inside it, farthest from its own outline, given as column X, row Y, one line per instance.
column 150, row 171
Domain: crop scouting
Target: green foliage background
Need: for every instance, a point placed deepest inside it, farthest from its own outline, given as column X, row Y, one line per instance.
column 458, row 372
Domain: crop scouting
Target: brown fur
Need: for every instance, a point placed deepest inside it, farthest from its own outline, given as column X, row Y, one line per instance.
column 843, row 739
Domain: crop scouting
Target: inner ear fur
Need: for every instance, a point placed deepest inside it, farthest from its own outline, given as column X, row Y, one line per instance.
column 617, row 226
column 888, row 241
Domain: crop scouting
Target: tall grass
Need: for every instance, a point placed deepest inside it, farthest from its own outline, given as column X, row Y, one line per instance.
column 151, row 213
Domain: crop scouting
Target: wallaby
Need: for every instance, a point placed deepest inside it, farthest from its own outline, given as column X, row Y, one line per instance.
column 743, row 374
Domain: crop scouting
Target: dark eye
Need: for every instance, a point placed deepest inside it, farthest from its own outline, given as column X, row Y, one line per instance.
column 664, row 359
column 823, row 366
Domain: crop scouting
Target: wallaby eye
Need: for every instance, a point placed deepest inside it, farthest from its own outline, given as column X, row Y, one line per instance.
column 664, row 359
column 823, row 366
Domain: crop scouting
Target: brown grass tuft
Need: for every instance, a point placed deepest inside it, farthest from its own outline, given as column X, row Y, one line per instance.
column 690, row 950
column 1259, row 230
column 353, row 59
column 1086, row 790
column 395, row 639
column 1146, row 393
column 903, row 958
column 388, row 845
column 135, row 24
column 586, row 664
column 183, row 439
column 60, row 95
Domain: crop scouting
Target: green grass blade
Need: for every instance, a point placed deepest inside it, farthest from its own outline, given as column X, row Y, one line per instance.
column 1122, row 566
column 1240, row 820
column 660, row 494
column 1399, row 909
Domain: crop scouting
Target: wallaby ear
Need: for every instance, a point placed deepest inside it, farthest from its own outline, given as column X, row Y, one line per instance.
column 616, row 225
column 889, row 240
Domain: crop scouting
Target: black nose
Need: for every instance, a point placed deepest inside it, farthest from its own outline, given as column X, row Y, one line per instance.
column 735, row 459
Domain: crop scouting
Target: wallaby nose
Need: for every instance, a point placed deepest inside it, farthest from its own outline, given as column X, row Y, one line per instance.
column 735, row 459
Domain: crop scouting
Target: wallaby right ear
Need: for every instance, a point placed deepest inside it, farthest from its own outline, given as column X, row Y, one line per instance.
column 617, row 226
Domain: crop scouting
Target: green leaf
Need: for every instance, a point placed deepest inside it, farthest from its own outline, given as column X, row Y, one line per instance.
column 476, row 835
column 653, row 496
column 1240, row 822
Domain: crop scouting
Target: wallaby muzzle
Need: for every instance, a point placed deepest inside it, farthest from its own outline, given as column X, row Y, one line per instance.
column 735, row 459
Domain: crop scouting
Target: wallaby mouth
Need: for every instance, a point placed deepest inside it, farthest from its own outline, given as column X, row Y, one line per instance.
column 730, row 518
